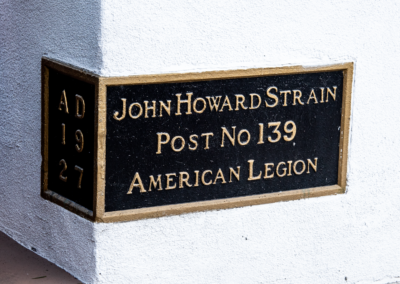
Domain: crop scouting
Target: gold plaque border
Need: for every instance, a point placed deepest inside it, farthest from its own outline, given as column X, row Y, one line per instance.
column 99, row 215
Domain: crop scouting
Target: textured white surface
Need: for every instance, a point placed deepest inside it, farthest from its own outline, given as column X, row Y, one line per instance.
column 320, row 240
column 28, row 29
column 354, row 236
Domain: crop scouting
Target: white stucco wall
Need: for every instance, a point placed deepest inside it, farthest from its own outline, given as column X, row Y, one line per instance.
column 68, row 30
column 354, row 236
column 320, row 240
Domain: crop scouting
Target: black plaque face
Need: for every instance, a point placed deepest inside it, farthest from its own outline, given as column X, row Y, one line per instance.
column 71, row 138
column 282, row 131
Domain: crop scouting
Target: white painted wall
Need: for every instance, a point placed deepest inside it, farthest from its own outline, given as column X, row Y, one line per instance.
column 320, row 240
column 68, row 30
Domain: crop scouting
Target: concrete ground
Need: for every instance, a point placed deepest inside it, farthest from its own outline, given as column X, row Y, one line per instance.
column 19, row 265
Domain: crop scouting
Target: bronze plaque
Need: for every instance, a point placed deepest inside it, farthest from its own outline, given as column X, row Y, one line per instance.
column 127, row 148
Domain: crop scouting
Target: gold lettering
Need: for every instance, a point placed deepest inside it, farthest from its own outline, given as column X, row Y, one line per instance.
column 63, row 133
column 314, row 166
column 240, row 101
column 272, row 96
column 61, row 177
column 231, row 138
column 140, row 110
column 267, row 169
column 166, row 108
column 79, row 139
column 191, row 138
column 251, row 177
column 146, row 109
column 188, row 102
column 80, row 170
column 251, row 101
column 312, row 96
column 292, row 130
column 219, row 175
column 168, row 187
column 203, row 176
column 207, row 138
column 215, row 103
column 289, row 168
column 285, row 96
column 322, row 95
column 295, row 167
column 63, row 102
column 226, row 103
column 329, row 92
column 160, row 142
column 204, row 105
column 154, row 183
column 296, row 96
column 277, row 170
column 196, row 178
column 236, row 174
column 240, row 134
column 184, row 179
column 173, row 143
column 134, row 184
column 261, row 133
column 276, row 131
column 79, row 101
column 123, row 111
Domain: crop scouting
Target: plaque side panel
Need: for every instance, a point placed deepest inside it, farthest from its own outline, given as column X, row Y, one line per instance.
column 345, row 125
column 71, row 196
